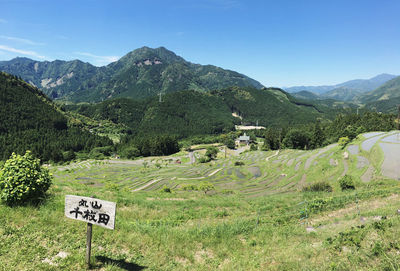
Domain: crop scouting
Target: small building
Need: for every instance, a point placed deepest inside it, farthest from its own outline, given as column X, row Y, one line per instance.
column 243, row 140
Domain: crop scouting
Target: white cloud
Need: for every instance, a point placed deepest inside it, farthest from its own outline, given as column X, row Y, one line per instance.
column 101, row 60
column 2, row 21
column 22, row 52
column 20, row 40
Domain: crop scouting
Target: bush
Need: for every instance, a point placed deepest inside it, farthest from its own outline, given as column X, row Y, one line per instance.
column 166, row 189
column 23, row 180
column 343, row 141
column 69, row 155
column 130, row 152
column 204, row 159
column 346, row 182
column 318, row 187
column 212, row 152
column 206, row 186
column 239, row 163
column 253, row 147
column 189, row 187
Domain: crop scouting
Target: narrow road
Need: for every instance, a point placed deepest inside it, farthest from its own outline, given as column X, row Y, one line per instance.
column 212, row 173
column 277, row 152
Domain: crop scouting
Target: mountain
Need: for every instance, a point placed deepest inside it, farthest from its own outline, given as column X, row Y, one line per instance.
column 389, row 90
column 30, row 120
column 341, row 93
column 346, row 90
column 188, row 113
column 385, row 106
column 141, row 73
column 305, row 95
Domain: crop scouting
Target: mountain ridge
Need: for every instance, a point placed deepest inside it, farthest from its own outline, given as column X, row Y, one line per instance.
column 360, row 85
column 140, row 73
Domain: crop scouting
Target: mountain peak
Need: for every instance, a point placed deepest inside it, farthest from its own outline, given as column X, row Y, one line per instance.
column 147, row 55
column 383, row 77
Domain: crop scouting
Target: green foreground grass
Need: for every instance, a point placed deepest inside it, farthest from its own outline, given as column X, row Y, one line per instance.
column 193, row 231
column 247, row 223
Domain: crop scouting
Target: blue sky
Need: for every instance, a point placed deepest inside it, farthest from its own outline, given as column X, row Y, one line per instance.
column 279, row 43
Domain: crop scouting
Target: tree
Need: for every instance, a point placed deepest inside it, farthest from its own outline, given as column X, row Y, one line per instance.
column 297, row 139
column 317, row 137
column 212, row 152
column 272, row 139
column 206, row 186
column 343, row 141
column 22, row 179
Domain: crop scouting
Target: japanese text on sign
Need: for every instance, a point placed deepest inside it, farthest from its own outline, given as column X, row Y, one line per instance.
column 91, row 210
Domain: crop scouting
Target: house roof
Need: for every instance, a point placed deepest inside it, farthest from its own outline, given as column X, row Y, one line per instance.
column 244, row 138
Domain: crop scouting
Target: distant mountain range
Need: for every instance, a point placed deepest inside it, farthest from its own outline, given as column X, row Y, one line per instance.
column 350, row 91
column 139, row 74
column 360, row 85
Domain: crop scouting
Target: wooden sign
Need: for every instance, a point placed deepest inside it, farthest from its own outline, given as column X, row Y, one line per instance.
column 94, row 211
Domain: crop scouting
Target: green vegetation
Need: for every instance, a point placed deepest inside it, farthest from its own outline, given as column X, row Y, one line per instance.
column 186, row 114
column 343, row 128
column 131, row 147
column 343, row 141
column 29, row 120
column 321, row 186
column 142, row 73
column 23, row 180
column 387, row 91
column 212, row 152
column 347, row 182
column 235, row 219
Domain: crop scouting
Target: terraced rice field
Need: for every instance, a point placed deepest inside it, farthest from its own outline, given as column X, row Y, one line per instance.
column 372, row 155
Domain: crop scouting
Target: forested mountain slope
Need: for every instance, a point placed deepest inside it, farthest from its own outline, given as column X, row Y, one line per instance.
column 141, row 73
column 30, row 120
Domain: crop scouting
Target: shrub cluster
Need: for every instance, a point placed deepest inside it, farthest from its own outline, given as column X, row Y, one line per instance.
column 23, row 180
column 347, row 182
column 321, row 186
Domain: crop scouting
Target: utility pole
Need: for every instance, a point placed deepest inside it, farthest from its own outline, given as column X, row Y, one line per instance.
column 160, row 100
column 398, row 122
column 398, row 116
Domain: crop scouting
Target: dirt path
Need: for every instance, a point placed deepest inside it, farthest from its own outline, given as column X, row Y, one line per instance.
column 214, row 172
column 346, row 168
column 269, row 157
column 147, row 185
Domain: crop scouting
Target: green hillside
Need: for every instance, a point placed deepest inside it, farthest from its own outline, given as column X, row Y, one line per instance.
column 29, row 120
column 141, row 73
column 341, row 94
column 385, row 106
column 305, row 95
column 187, row 113
column 389, row 90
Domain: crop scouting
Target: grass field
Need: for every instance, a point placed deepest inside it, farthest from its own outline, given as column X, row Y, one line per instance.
column 255, row 218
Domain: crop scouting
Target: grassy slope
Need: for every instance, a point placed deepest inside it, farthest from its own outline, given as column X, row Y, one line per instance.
column 248, row 223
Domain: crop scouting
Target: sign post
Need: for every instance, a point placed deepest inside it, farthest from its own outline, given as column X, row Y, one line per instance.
column 94, row 212
column 88, row 244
